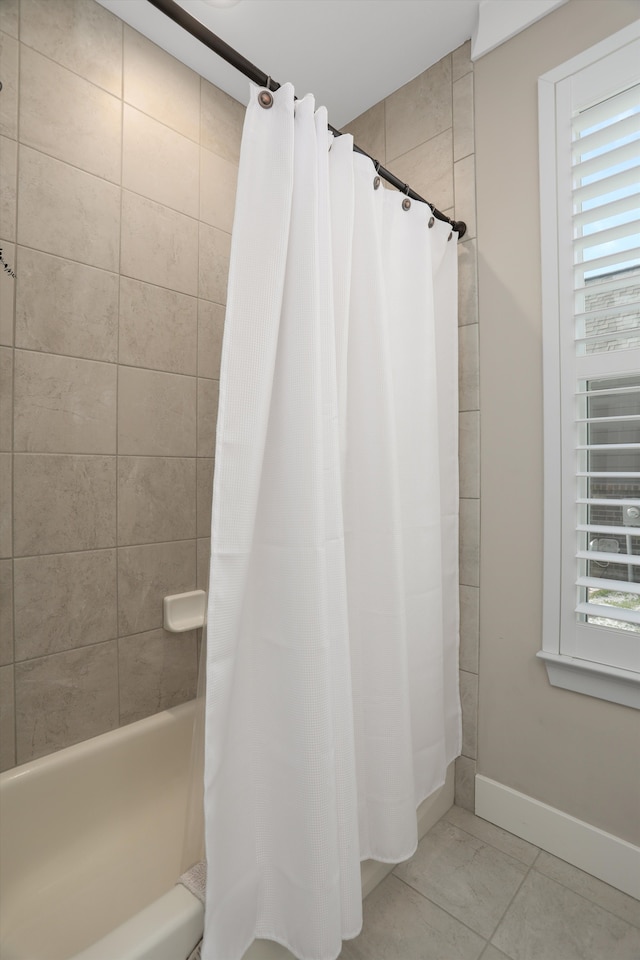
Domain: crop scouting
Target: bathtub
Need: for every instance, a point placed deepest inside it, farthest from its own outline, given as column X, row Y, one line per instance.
column 91, row 846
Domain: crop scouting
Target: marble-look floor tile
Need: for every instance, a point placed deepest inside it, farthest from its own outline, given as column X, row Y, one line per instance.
column 399, row 924
column 487, row 832
column 615, row 901
column 469, row 879
column 492, row 954
column 547, row 921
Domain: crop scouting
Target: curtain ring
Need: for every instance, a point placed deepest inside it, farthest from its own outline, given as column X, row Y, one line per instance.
column 265, row 98
column 432, row 220
column 376, row 183
column 450, row 235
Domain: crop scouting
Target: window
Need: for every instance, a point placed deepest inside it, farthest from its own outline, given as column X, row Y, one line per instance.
column 590, row 212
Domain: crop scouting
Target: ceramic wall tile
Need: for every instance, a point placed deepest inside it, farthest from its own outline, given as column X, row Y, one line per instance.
column 467, row 282
column 208, row 391
column 174, row 182
column 468, row 368
column 65, row 307
column 427, row 169
column 210, row 331
column 159, row 245
column 469, row 447
column 7, row 719
column 157, row 670
column 158, row 328
column 368, row 132
column 461, row 62
column 215, row 250
column 81, row 124
column 469, row 628
column 465, row 783
column 65, row 698
column 6, row 612
column 218, row 184
column 6, row 499
column 63, row 503
column 222, row 120
column 84, row 37
column 156, row 413
column 159, row 85
column 7, row 295
column 6, row 398
column 204, row 492
column 10, row 17
column 64, row 404
column 9, row 98
column 8, row 186
column 469, row 701
column 420, row 110
column 464, row 174
column 470, row 543
column 203, row 561
column 463, row 129
column 64, row 601
column 148, row 573
column 156, row 499
column 67, row 212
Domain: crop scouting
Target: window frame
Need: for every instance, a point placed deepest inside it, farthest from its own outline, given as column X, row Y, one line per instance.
column 594, row 677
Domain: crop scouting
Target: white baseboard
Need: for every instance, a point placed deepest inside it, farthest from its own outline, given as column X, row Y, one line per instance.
column 601, row 854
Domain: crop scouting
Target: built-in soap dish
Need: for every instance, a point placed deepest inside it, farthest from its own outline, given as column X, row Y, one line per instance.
column 184, row 611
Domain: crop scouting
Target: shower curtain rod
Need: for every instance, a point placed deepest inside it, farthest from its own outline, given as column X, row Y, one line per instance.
column 198, row 30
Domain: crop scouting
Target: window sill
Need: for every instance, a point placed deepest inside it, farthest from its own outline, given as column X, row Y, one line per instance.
column 593, row 679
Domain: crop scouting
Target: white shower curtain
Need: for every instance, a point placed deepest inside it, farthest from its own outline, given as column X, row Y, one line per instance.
column 332, row 695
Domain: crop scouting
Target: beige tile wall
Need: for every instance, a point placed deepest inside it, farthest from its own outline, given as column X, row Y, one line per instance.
column 424, row 134
column 119, row 169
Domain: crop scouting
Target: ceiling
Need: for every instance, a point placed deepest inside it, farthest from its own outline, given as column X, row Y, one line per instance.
column 349, row 53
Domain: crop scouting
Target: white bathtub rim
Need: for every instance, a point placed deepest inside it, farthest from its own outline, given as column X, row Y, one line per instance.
column 167, row 929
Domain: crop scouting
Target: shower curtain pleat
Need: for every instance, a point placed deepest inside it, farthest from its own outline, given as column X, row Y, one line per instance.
column 330, row 709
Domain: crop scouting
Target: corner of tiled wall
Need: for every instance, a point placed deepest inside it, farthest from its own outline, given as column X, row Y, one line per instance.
column 110, row 362
column 424, row 134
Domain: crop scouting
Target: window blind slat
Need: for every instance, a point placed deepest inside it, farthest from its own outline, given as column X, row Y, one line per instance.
column 612, row 531
column 601, row 263
column 605, row 210
column 606, row 110
column 599, row 583
column 625, row 127
column 611, row 613
column 622, row 180
column 624, row 558
column 604, row 502
column 629, row 153
column 609, row 235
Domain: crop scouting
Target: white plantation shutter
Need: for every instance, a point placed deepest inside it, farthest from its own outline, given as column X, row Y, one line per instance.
column 591, row 280
column 606, row 425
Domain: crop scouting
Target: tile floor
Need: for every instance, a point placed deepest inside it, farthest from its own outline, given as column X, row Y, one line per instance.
column 475, row 892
